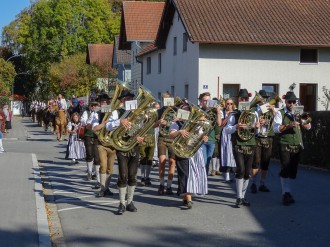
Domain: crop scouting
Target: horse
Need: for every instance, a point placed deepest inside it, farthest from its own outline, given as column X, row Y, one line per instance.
column 60, row 123
column 49, row 118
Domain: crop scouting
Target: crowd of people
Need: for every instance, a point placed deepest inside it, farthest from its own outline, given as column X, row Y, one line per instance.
column 238, row 146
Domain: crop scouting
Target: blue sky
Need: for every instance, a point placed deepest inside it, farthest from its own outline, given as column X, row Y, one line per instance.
column 9, row 9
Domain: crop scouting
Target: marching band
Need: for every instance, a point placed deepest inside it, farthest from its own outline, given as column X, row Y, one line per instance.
column 130, row 127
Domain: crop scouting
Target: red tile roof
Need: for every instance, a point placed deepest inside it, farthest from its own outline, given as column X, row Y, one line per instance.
column 100, row 54
column 258, row 22
column 142, row 19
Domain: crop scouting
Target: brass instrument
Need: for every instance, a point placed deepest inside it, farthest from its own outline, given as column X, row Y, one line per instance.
column 168, row 115
column 102, row 134
column 250, row 119
column 303, row 118
column 269, row 117
column 187, row 147
column 142, row 119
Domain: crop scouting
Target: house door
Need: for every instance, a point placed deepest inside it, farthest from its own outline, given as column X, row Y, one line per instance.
column 231, row 91
column 307, row 96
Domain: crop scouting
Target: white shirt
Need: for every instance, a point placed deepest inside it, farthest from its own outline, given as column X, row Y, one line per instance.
column 113, row 122
column 63, row 103
column 85, row 119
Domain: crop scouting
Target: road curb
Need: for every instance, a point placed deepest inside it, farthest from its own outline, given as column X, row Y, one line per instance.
column 42, row 222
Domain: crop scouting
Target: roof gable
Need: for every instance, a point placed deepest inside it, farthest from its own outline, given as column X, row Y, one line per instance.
column 140, row 21
column 255, row 22
column 122, row 56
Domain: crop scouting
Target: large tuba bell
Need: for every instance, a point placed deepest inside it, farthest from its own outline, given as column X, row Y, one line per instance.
column 142, row 119
column 168, row 115
column 102, row 134
column 250, row 119
column 269, row 117
column 187, row 147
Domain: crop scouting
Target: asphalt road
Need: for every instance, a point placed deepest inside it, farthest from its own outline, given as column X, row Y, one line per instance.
column 78, row 218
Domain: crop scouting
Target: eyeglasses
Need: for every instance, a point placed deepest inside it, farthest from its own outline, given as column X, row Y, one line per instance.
column 230, row 103
column 291, row 102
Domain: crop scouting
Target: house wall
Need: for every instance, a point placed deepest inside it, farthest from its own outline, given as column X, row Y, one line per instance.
column 124, row 72
column 252, row 66
column 176, row 71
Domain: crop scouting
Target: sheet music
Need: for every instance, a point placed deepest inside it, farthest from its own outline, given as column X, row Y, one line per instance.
column 183, row 114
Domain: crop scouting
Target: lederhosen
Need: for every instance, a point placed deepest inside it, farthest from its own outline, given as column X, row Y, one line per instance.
column 263, row 151
column 289, row 147
column 127, row 163
column 91, row 142
column 243, row 152
column 147, row 148
column 164, row 143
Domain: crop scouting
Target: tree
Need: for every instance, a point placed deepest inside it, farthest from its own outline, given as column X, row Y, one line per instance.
column 52, row 30
column 73, row 76
column 7, row 76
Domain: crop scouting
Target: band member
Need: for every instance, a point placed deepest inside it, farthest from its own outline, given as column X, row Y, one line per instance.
column 243, row 149
column 192, row 177
column 127, row 161
column 208, row 147
column 107, row 155
column 228, row 162
column 76, row 147
column 147, row 150
column 290, row 143
column 264, row 144
column 164, row 148
column 91, row 142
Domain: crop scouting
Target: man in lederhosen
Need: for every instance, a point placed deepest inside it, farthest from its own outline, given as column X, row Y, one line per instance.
column 107, row 154
column 290, row 143
column 127, row 161
column 264, row 144
column 91, row 141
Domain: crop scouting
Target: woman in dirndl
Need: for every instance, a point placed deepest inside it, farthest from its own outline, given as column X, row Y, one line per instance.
column 76, row 146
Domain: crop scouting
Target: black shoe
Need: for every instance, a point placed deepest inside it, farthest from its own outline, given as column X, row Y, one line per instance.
column 185, row 202
column 93, row 177
column 89, row 177
column 161, row 190
column 253, row 188
column 263, row 188
column 148, row 182
column 100, row 193
column 169, row 191
column 291, row 199
column 245, row 202
column 108, row 192
column 286, row 200
column 143, row 182
column 121, row 209
column 239, row 202
column 130, row 207
column 97, row 186
column 228, row 181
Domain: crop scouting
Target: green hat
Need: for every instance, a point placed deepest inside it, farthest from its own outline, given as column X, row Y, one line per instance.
column 290, row 96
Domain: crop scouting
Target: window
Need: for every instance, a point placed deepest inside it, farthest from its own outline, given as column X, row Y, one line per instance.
column 159, row 63
column 185, row 42
column 148, row 65
column 271, row 89
column 186, row 91
column 172, row 91
column 231, row 91
column 308, row 56
column 174, row 46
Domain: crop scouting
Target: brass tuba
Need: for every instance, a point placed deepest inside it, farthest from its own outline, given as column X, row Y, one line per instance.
column 142, row 119
column 187, row 147
column 269, row 117
column 102, row 134
column 168, row 115
column 250, row 119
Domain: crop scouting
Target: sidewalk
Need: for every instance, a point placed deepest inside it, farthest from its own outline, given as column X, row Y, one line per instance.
column 23, row 218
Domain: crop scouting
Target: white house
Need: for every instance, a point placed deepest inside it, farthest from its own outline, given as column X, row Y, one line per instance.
column 222, row 46
column 122, row 62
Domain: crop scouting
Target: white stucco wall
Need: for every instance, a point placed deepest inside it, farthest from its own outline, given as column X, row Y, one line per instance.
column 177, row 70
column 252, row 66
